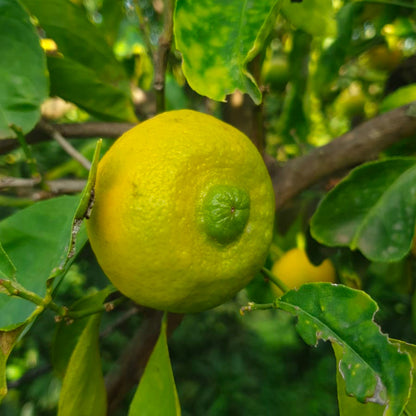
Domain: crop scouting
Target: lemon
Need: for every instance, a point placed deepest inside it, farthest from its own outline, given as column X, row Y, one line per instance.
column 183, row 213
column 295, row 269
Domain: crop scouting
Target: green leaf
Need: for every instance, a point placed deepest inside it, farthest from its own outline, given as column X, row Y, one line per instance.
column 218, row 39
column 87, row 91
column 349, row 406
column 402, row 96
column 315, row 17
column 156, row 394
column 372, row 209
column 68, row 334
column 83, row 390
column 24, row 83
column 85, row 51
column 294, row 122
column 7, row 342
column 37, row 240
column 374, row 369
column 7, row 268
column 332, row 57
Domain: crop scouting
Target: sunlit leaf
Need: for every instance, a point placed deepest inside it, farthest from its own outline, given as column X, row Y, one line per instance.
column 23, row 74
column 37, row 241
column 86, row 52
column 218, row 39
column 83, row 389
column 87, row 91
column 402, row 96
column 156, row 394
column 373, row 368
column 315, row 17
column 373, row 209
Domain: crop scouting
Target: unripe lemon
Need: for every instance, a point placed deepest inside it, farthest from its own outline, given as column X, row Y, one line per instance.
column 295, row 269
column 183, row 213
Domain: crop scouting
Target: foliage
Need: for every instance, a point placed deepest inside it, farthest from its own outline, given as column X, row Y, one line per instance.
column 341, row 63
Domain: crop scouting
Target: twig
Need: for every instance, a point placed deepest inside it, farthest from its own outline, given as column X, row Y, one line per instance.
column 27, row 186
column 361, row 144
column 133, row 360
column 120, row 321
column 56, row 135
column 274, row 279
column 161, row 55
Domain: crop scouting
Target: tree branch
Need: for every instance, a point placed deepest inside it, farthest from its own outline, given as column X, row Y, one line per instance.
column 133, row 360
column 162, row 53
column 361, row 144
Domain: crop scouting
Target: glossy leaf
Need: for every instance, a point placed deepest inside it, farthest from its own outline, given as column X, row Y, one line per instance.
column 373, row 209
column 7, row 342
column 7, row 268
column 218, row 39
column 67, row 335
column 402, row 96
column 373, row 368
column 37, row 241
column 349, row 406
column 24, row 83
column 156, row 393
column 315, row 17
column 83, row 389
column 87, row 54
column 87, row 91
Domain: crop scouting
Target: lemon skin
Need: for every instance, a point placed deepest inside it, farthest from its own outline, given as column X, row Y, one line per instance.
column 295, row 269
column 150, row 228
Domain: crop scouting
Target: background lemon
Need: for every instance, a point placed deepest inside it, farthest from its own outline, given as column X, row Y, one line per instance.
column 295, row 269
column 183, row 213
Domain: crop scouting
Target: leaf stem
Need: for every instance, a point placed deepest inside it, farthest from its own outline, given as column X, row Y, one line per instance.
column 274, row 279
column 106, row 307
column 34, row 173
column 15, row 289
column 257, row 307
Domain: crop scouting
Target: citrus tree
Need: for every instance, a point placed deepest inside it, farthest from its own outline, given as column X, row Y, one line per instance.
column 237, row 248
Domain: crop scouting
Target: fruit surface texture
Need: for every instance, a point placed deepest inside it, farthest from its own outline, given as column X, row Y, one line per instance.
column 183, row 213
column 294, row 269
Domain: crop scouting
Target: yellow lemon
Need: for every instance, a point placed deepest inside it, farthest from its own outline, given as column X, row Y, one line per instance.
column 295, row 269
column 183, row 213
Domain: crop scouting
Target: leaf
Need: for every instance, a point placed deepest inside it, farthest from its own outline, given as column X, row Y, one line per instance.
column 67, row 335
column 374, row 369
column 87, row 91
column 218, row 39
column 315, row 17
column 156, row 394
column 37, row 241
column 372, row 209
column 83, row 390
column 294, row 120
column 332, row 58
column 85, row 50
column 23, row 74
column 402, row 96
column 7, row 342
column 349, row 406
column 7, row 268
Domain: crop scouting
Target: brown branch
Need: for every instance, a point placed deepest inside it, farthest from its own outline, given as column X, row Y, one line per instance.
column 133, row 360
column 66, row 146
column 361, row 144
column 162, row 53
column 108, row 130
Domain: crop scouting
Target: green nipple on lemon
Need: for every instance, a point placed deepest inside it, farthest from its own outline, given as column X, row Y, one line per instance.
column 183, row 213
